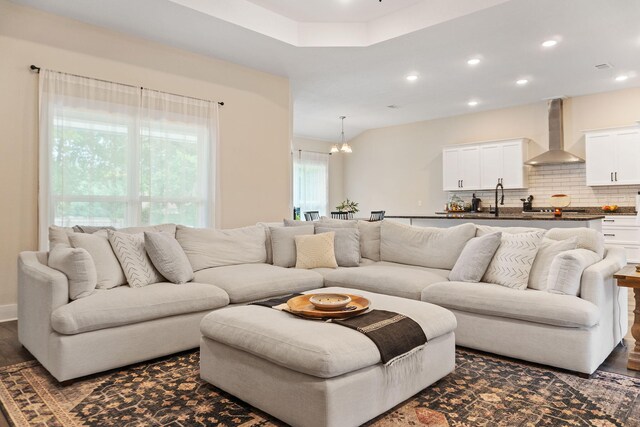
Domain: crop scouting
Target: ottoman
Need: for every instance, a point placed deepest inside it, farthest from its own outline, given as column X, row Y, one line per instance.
column 315, row 373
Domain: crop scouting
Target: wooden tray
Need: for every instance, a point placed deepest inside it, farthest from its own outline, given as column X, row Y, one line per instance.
column 301, row 306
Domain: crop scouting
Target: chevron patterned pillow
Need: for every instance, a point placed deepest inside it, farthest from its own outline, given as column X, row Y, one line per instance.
column 138, row 268
column 512, row 262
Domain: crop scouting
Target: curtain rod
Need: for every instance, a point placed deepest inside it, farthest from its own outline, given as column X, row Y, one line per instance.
column 36, row 69
column 317, row 152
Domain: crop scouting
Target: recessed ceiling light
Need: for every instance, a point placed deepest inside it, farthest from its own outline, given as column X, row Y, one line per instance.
column 472, row 103
column 522, row 82
column 473, row 61
column 622, row 78
column 412, row 77
column 549, row 43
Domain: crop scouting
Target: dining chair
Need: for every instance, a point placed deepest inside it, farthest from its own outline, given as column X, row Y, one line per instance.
column 340, row 215
column 377, row 216
column 311, row 215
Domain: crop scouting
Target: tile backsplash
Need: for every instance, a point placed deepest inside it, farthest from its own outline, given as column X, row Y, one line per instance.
column 569, row 179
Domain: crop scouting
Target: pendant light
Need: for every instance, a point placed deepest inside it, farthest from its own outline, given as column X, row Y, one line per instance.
column 345, row 148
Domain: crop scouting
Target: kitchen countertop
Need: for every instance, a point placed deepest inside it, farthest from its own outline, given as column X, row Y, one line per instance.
column 506, row 216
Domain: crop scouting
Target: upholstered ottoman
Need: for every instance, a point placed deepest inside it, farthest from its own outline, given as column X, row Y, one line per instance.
column 314, row 373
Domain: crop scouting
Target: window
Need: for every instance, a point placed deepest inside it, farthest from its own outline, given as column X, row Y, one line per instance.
column 117, row 155
column 311, row 182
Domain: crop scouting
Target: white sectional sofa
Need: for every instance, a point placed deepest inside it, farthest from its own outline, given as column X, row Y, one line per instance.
column 123, row 325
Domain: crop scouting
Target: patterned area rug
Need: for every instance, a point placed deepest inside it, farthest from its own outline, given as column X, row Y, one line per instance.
column 483, row 391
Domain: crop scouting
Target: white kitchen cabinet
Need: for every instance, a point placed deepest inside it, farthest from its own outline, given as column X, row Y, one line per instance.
column 612, row 156
column 461, row 168
column 624, row 232
column 503, row 162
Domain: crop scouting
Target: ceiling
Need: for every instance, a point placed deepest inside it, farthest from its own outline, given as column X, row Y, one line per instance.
column 360, row 81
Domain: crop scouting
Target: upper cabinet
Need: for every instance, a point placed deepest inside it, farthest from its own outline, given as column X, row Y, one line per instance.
column 482, row 166
column 612, row 156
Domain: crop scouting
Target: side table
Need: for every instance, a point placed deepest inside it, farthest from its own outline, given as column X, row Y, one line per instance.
column 628, row 277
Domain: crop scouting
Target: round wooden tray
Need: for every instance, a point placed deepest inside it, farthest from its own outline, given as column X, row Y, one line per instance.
column 301, row 305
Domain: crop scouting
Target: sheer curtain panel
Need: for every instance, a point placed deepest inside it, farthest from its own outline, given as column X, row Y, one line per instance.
column 311, row 181
column 113, row 154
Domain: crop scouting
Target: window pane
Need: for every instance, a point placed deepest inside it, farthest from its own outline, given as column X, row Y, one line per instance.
column 70, row 213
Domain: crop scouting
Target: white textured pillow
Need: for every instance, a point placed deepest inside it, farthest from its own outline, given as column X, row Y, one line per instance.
column 108, row 268
column 346, row 245
column 315, row 251
column 475, row 258
column 283, row 244
column 542, row 264
column 167, row 256
column 588, row 238
column 566, row 271
column 59, row 236
column 208, row 247
column 129, row 248
column 512, row 262
column 77, row 265
column 370, row 239
column 424, row 246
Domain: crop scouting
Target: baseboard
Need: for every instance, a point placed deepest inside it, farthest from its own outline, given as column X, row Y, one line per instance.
column 8, row 312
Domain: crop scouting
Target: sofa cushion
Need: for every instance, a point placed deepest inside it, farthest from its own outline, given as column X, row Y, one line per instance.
column 110, row 273
column 588, row 238
column 168, row 256
column 136, row 264
column 565, row 272
column 320, row 349
column 316, row 251
column 370, row 239
column 387, row 278
column 346, row 245
column 528, row 305
column 78, row 266
column 283, row 243
column 250, row 282
column 542, row 263
column 208, row 247
column 59, row 236
column 125, row 305
column 475, row 258
column 424, row 246
column 512, row 262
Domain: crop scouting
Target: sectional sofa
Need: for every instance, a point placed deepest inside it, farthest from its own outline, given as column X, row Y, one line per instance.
column 123, row 325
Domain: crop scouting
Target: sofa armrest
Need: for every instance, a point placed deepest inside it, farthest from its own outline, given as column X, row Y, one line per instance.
column 599, row 287
column 41, row 290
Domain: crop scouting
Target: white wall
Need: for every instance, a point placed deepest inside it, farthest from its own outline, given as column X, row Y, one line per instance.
column 400, row 167
column 336, row 166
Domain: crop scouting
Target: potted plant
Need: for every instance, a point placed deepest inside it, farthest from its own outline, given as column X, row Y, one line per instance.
column 348, row 206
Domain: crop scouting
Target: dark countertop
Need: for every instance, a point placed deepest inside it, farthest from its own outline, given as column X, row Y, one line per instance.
column 502, row 217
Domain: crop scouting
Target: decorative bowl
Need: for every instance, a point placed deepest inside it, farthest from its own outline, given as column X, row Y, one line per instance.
column 330, row 301
column 560, row 201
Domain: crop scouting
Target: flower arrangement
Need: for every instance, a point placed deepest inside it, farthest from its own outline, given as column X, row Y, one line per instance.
column 348, row 206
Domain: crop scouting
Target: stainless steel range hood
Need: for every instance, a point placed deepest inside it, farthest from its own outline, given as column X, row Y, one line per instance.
column 556, row 154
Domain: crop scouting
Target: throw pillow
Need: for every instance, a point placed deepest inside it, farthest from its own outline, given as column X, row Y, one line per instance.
column 129, row 248
column 588, row 238
column 59, row 236
column 370, row 239
column 108, row 268
column 165, row 228
column 336, row 223
column 208, row 247
column 283, row 244
column 475, row 258
column 90, row 228
column 167, row 256
column 423, row 246
column 512, row 262
column 78, row 266
column 294, row 223
column 315, row 251
column 346, row 245
column 546, row 253
column 566, row 271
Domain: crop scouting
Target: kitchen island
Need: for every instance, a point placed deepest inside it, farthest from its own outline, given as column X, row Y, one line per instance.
column 525, row 219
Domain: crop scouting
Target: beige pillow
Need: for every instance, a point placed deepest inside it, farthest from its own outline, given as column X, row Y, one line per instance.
column 137, row 266
column 566, row 270
column 315, row 251
column 283, row 244
column 108, row 268
column 512, row 262
column 77, row 265
column 167, row 256
column 165, row 228
column 59, row 236
column 346, row 245
column 542, row 264
column 588, row 238
column 370, row 239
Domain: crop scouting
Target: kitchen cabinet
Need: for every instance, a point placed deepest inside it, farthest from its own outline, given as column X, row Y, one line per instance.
column 612, row 156
column 461, row 168
column 481, row 166
column 624, row 232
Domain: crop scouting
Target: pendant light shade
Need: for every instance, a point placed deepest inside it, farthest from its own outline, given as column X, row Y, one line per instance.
column 344, row 147
column 334, row 149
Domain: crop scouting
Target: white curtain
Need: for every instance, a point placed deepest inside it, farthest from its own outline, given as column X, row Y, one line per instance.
column 113, row 154
column 311, row 182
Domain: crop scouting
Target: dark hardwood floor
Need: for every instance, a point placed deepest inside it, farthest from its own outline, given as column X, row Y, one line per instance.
column 11, row 352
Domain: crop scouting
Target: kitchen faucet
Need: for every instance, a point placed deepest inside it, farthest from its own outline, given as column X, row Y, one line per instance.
column 499, row 185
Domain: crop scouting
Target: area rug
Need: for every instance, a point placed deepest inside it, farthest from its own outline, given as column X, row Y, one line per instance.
column 483, row 391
